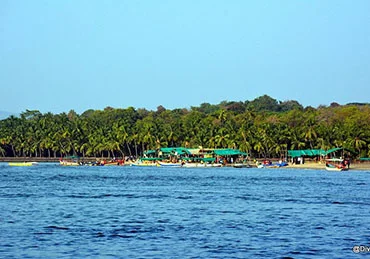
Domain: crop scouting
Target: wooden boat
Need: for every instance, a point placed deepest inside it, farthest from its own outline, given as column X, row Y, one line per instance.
column 143, row 163
column 70, row 161
column 331, row 167
column 192, row 165
column 260, row 165
column 214, row 165
column 22, row 163
column 335, row 164
column 168, row 164
column 268, row 164
column 241, row 165
column 112, row 162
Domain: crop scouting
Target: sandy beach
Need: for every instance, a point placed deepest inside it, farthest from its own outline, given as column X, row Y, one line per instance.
column 320, row 165
column 307, row 165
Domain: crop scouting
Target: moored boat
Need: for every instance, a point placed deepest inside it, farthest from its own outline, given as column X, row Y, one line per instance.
column 269, row 164
column 70, row 161
column 336, row 165
column 143, row 163
column 241, row 165
column 22, row 163
column 331, row 167
column 192, row 165
column 169, row 164
column 112, row 162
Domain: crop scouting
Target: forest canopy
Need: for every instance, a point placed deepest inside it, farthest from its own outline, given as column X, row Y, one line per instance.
column 263, row 127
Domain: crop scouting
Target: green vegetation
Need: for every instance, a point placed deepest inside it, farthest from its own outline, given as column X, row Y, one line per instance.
column 263, row 127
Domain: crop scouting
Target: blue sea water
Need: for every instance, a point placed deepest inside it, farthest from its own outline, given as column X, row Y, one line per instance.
column 49, row 211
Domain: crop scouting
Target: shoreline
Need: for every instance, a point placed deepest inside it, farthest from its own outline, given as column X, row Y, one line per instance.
column 365, row 166
column 317, row 165
column 44, row 159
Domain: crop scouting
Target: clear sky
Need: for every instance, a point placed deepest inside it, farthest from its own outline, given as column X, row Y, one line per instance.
column 59, row 55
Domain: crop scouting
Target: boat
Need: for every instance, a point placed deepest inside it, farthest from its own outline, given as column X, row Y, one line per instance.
column 215, row 165
column 70, row 161
column 259, row 165
column 336, row 165
column 200, row 165
column 169, row 164
column 192, row 165
column 278, row 164
column 332, row 167
column 269, row 164
column 22, row 163
column 112, row 162
column 141, row 162
column 241, row 165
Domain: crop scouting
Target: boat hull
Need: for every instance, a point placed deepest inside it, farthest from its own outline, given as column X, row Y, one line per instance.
column 241, row 165
column 112, row 164
column 143, row 164
column 22, row 163
column 334, row 168
column 67, row 163
column 194, row 165
column 164, row 164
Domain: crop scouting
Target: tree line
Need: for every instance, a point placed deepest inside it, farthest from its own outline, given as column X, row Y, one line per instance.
column 264, row 128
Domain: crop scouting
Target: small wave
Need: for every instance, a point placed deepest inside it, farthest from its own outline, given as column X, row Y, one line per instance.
column 343, row 226
column 337, row 202
column 163, row 221
column 319, row 227
column 108, row 195
column 247, row 198
column 99, row 234
column 227, row 212
column 291, row 200
column 134, row 222
column 68, row 216
column 18, row 195
column 100, row 196
column 57, row 227
column 349, row 239
column 184, row 197
column 121, row 236
column 43, row 233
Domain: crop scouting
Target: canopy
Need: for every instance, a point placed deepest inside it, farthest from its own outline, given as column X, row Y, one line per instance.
column 178, row 150
column 365, row 159
column 229, row 152
column 204, row 159
column 149, row 152
column 315, row 152
column 208, row 159
column 194, row 151
column 306, row 152
column 339, row 148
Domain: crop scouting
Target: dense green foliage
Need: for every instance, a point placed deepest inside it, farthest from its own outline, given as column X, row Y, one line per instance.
column 263, row 127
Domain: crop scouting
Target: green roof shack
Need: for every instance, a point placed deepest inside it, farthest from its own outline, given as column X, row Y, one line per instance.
column 299, row 156
column 229, row 155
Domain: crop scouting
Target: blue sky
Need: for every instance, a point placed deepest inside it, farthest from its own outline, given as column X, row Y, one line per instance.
column 61, row 55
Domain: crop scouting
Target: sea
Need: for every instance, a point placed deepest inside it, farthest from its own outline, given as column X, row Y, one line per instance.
column 50, row 211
